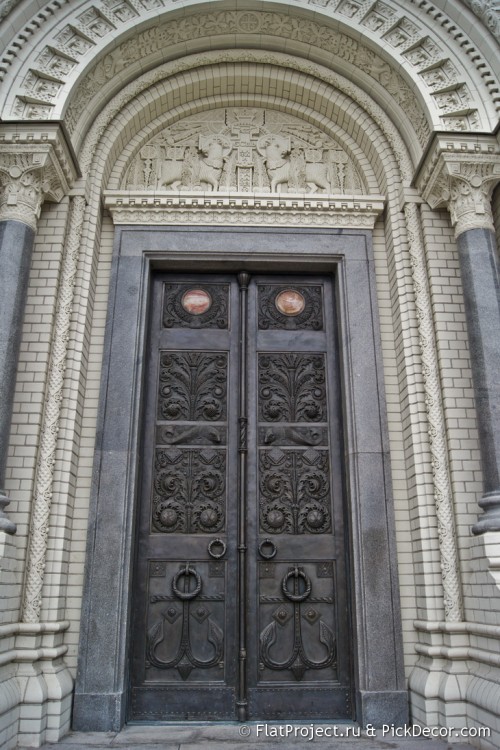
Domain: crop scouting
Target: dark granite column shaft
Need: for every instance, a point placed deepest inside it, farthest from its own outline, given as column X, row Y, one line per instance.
column 481, row 281
column 16, row 245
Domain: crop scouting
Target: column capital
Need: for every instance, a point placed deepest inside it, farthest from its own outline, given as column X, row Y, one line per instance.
column 459, row 172
column 36, row 164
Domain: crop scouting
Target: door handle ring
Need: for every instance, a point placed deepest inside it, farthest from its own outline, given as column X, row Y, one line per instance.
column 271, row 552
column 186, row 571
column 296, row 573
column 214, row 543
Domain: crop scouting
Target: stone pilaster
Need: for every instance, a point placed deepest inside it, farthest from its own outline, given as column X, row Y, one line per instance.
column 35, row 165
column 460, row 173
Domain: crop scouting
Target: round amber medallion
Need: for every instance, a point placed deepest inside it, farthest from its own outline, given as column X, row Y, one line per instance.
column 290, row 302
column 196, row 301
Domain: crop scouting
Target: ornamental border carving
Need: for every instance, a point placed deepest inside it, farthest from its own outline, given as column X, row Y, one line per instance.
column 185, row 30
column 408, row 40
column 45, row 466
column 139, row 93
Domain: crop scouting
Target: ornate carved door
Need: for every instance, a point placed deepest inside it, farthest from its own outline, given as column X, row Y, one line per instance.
column 240, row 594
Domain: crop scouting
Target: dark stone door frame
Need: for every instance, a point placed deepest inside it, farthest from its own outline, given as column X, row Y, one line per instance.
column 102, row 679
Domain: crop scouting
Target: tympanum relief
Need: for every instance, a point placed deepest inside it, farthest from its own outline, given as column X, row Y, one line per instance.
column 244, row 150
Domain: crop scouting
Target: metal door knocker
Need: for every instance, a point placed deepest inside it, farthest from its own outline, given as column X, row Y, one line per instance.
column 213, row 551
column 186, row 571
column 267, row 549
column 296, row 573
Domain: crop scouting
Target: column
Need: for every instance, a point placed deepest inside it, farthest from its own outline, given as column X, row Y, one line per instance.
column 460, row 173
column 35, row 164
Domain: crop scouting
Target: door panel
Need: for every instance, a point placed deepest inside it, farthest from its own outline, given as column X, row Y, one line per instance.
column 184, row 626
column 240, row 589
column 299, row 635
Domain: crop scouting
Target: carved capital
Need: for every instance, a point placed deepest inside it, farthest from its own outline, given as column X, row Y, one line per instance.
column 35, row 165
column 460, row 174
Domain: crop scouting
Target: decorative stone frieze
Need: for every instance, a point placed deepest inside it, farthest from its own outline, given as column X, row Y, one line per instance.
column 242, row 209
column 35, row 165
column 460, row 173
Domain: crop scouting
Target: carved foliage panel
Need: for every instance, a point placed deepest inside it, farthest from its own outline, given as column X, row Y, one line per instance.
column 189, row 490
column 295, row 491
column 292, row 387
column 294, row 465
column 193, row 386
column 189, row 475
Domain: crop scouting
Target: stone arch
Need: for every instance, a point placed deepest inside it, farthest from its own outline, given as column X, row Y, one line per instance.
column 106, row 107
column 412, row 60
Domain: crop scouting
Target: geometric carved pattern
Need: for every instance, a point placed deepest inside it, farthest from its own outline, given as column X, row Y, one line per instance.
column 174, row 314
column 310, row 318
column 192, row 386
column 294, row 491
column 292, row 388
column 189, row 490
column 324, row 570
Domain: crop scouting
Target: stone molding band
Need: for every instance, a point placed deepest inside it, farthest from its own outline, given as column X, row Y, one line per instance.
column 198, row 207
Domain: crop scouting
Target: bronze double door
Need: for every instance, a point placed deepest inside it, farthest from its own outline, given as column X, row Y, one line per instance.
column 240, row 607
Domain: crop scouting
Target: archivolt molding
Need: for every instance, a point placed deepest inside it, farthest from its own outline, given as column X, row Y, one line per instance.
column 332, row 93
column 410, row 42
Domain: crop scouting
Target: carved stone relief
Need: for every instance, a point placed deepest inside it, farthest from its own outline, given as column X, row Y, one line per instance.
column 244, row 150
column 400, row 30
column 175, row 32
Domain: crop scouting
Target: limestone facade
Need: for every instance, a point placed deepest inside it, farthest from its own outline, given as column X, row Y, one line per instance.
column 363, row 117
